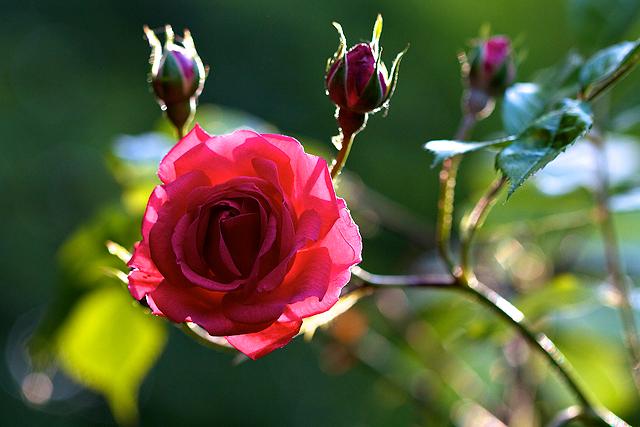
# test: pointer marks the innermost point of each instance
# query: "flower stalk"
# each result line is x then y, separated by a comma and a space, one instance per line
447, 177
508, 313
474, 220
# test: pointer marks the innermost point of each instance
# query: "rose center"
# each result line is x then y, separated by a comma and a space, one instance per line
232, 241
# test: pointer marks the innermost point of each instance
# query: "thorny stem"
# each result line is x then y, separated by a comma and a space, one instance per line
612, 255
447, 179
509, 313
475, 219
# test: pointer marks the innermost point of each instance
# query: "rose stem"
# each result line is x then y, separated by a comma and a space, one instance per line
447, 178
503, 309
612, 254
474, 220
343, 154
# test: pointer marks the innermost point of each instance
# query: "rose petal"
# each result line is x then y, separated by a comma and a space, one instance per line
145, 276
160, 236
196, 136
360, 67
261, 343
314, 188
345, 248
307, 277
241, 235
199, 306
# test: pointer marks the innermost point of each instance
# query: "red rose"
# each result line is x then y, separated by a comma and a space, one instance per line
245, 237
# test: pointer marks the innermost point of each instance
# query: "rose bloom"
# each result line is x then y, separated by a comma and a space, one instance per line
245, 238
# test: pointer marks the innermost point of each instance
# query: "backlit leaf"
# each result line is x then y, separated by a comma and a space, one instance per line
443, 149
523, 103
539, 144
108, 344
608, 65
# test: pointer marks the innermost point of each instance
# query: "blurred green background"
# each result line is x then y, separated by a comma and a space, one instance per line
73, 79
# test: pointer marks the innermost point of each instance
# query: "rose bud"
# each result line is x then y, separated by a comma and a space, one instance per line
358, 81
177, 76
489, 68
245, 237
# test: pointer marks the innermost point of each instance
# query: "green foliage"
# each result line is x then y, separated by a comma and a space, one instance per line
83, 262
530, 150
94, 329
443, 149
541, 142
523, 103
109, 344
607, 66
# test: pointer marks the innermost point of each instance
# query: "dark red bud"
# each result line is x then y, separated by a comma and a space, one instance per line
358, 80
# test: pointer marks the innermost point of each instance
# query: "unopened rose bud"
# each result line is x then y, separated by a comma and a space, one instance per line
491, 68
357, 80
177, 75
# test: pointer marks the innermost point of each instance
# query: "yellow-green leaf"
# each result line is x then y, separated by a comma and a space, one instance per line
108, 344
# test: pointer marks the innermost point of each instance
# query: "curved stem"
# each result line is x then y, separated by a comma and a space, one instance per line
447, 178
409, 280
613, 258
539, 341
343, 154
510, 314
474, 220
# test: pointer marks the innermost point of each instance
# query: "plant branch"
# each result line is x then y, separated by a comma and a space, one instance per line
447, 177
343, 154
613, 259
619, 75
474, 220
402, 281
539, 341
506, 311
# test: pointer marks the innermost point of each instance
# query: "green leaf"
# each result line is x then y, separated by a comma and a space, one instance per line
607, 66
109, 344
543, 141
523, 103
444, 148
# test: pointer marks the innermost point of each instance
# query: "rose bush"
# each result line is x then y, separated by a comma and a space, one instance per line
245, 238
